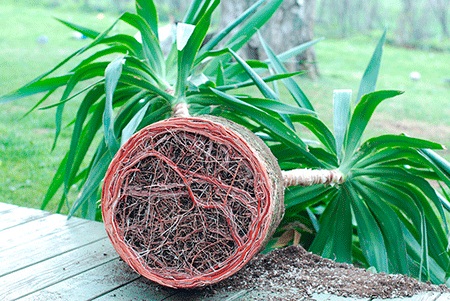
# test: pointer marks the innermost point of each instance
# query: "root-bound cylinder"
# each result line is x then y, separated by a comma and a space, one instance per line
188, 202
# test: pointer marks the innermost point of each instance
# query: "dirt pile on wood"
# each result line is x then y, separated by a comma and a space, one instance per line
292, 273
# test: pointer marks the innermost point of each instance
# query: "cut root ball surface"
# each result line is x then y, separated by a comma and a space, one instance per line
189, 201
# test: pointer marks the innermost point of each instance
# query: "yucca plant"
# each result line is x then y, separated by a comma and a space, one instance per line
385, 215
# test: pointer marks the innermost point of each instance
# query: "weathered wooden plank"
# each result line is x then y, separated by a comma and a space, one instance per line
19, 215
140, 289
143, 289
6, 207
428, 296
36, 229
87, 285
56, 269
199, 295
330, 297
443, 297
67, 239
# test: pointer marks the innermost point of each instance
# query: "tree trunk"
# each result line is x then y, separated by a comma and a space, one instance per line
373, 16
232, 9
414, 23
291, 25
309, 61
322, 11
177, 9
405, 22
441, 9
118, 5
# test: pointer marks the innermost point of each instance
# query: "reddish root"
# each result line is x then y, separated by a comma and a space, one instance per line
188, 202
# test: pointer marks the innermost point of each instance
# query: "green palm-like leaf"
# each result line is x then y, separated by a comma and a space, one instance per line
131, 127
424, 196
369, 233
262, 86
227, 30
369, 79
319, 129
97, 171
147, 10
438, 164
248, 83
303, 197
334, 239
360, 118
45, 85
398, 141
150, 44
258, 16
341, 118
82, 137
290, 84
386, 228
56, 183
86, 72
290, 53
276, 126
87, 32
278, 107
253, 24
397, 174
112, 76
186, 56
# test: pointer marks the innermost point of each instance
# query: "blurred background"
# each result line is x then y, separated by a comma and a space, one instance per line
416, 60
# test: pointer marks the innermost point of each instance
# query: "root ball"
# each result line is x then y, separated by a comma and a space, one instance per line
188, 202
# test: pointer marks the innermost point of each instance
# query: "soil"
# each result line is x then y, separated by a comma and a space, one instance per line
293, 273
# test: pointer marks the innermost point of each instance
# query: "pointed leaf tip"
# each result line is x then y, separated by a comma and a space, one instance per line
370, 77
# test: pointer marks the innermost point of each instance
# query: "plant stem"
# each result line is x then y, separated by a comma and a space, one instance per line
309, 177
180, 110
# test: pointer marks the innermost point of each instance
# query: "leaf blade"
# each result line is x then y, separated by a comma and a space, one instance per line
334, 239
229, 28
293, 88
361, 116
131, 127
113, 73
369, 233
341, 118
369, 79
147, 10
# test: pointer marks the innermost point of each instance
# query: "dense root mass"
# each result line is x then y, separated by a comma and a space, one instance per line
188, 202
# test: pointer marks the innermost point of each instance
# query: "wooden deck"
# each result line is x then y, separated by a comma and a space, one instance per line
45, 256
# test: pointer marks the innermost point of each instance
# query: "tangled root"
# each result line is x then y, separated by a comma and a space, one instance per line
188, 201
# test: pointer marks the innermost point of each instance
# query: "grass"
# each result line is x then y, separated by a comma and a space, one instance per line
27, 163
423, 109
